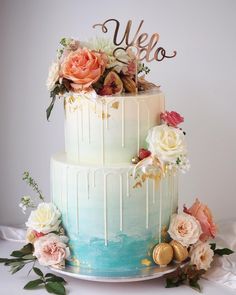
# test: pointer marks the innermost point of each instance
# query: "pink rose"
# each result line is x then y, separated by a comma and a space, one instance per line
172, 118
51, 249
83, 67
203, 214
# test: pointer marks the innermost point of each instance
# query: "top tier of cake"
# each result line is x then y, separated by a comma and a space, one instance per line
110, 129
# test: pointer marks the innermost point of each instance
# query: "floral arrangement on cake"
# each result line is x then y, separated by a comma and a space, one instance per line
189, 234
166, 151
84, 67
46, 243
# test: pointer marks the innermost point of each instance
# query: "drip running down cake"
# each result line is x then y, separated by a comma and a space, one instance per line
116, 184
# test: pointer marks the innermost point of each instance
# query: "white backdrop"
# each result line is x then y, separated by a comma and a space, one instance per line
199, 83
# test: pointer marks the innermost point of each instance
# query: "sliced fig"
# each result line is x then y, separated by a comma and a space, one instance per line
112, 84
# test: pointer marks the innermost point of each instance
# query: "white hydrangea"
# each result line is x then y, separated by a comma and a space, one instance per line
181, 164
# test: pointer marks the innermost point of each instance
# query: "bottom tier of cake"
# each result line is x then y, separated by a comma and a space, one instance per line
111, 224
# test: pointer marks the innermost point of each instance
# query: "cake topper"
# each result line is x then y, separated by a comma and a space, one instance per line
146, 48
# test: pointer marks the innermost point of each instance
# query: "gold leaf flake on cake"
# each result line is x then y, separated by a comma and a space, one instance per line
138, 184
115, 105
146, 262
75, 261
71, 99
105, 115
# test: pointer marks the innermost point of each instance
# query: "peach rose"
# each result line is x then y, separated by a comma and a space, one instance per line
203, 214
83, 67
51, 249
201, 255
184, 228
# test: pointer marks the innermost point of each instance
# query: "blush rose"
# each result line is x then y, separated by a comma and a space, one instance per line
51, 250
184, 228
203, 214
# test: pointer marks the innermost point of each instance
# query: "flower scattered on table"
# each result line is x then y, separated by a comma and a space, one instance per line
46, 242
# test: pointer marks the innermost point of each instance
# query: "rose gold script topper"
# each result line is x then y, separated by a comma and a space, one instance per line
144, 47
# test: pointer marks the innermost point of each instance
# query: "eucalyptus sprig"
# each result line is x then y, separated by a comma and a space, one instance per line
33, 184
52, 283
21, 258
59, 89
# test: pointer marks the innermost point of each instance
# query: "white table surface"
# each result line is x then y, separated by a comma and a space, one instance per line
13, 284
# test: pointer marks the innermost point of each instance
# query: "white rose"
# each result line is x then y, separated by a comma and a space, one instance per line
184, 228
53, 75
201, 255
45, 219
166, 143
51, 249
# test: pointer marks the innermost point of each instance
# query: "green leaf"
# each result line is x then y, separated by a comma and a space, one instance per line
49, 109
173, 282
213, 246
27, 249
224, 251
38, 271
17, 254
56, 279
16, 268
8, 261
55, 288
29, 257
33, 284
4, 260
194, 284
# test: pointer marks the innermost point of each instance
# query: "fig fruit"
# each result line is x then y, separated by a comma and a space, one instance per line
112, 84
